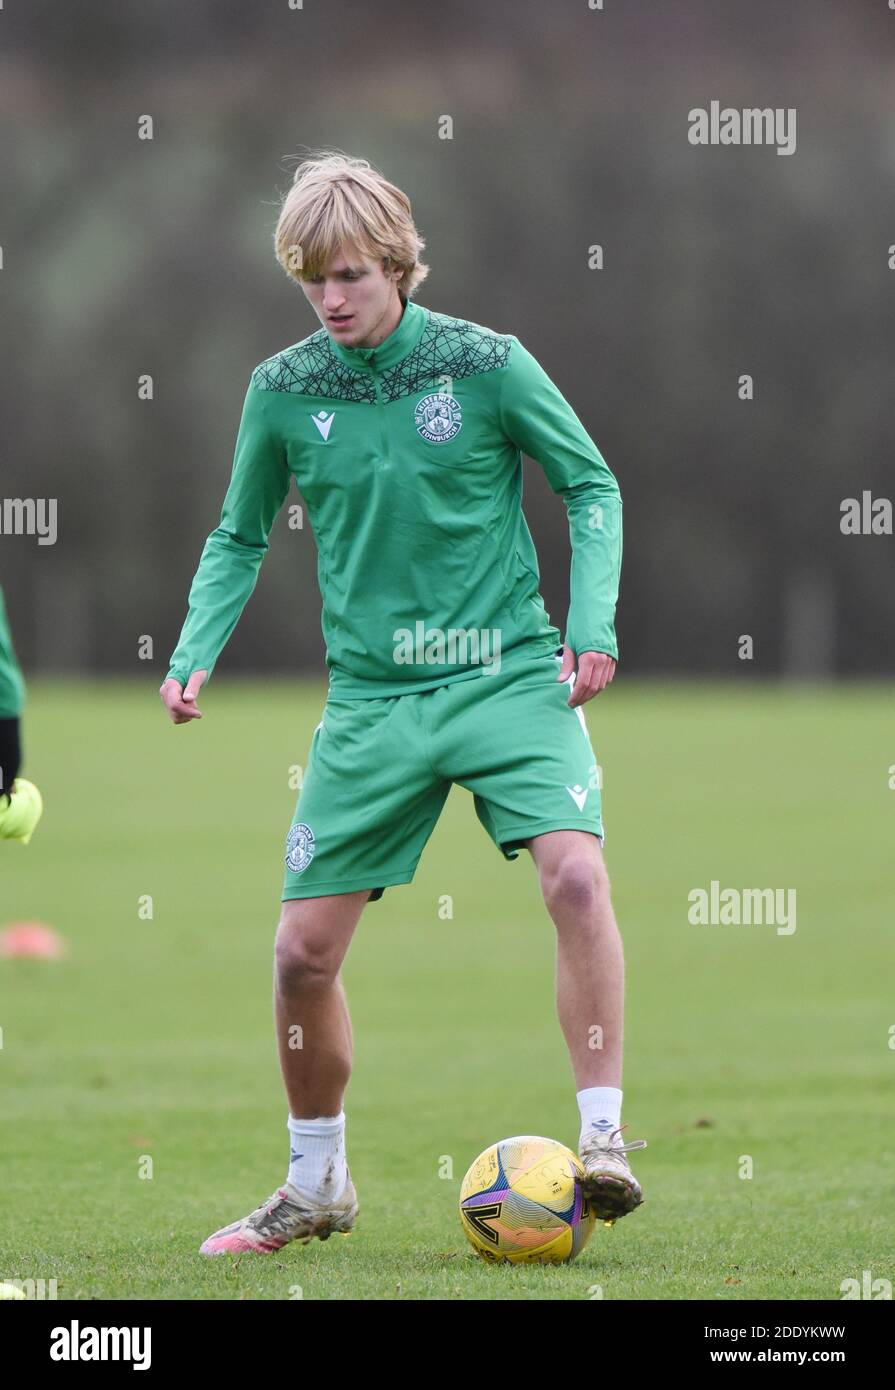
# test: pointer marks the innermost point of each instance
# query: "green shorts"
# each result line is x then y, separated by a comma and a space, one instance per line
379, 772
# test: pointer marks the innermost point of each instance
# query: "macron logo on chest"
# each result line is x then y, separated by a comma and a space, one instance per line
324, 422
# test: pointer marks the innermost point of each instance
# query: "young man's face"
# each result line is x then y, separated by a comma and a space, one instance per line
354, 299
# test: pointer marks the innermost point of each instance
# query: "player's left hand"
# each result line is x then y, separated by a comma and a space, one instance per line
594, 672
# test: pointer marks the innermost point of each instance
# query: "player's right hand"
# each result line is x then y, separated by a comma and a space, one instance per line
180, 700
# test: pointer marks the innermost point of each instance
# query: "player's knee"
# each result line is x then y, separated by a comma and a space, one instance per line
301, 960
575, 883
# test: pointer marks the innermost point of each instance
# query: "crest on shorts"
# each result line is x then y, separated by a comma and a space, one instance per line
299, 848
438, 417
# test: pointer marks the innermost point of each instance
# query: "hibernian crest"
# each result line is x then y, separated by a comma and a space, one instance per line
438, 417
299, 848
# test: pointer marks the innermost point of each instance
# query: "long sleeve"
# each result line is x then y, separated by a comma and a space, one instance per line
231, 558
12, 686
537, 418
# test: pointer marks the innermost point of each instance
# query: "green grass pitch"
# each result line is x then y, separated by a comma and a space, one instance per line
154, 1037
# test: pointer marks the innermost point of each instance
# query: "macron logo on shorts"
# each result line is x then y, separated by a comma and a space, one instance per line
578, 795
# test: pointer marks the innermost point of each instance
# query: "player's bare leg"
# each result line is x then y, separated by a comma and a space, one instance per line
315, 1046
590, 972
590, 980
311, 1012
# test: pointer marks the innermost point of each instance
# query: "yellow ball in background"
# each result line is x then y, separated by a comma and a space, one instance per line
19, 817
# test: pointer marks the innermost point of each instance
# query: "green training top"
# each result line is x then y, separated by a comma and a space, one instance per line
408, 456
12, 686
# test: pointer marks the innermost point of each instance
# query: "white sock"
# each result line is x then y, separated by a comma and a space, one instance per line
317, 1164
601, 1109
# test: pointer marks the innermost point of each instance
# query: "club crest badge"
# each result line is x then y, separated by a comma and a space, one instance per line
299, 848
438, 417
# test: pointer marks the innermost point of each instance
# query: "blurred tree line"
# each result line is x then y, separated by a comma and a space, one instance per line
123, 257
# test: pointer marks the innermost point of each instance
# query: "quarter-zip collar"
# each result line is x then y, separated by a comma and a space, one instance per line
402, 340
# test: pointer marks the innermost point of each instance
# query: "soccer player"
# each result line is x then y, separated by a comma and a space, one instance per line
12, 695
404, 430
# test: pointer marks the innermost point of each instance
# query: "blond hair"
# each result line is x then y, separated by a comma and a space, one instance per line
338, 202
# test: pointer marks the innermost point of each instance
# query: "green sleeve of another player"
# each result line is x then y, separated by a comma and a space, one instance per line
228, 567
12, 686
539, 420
